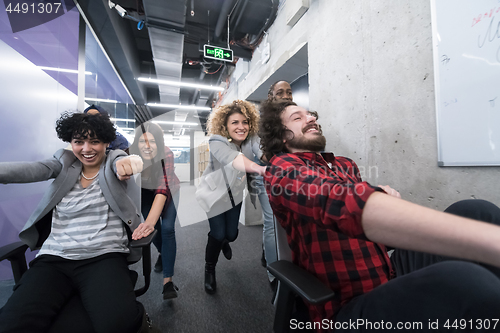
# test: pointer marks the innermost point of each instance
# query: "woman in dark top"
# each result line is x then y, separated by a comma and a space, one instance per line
159, 198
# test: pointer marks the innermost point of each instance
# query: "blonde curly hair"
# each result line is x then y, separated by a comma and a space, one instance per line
216, 123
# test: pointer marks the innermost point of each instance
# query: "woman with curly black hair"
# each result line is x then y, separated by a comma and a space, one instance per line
81, 228
233, 146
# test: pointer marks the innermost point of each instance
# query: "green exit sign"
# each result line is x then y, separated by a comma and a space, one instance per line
218, 53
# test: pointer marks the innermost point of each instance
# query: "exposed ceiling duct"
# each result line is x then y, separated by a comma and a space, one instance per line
166, 33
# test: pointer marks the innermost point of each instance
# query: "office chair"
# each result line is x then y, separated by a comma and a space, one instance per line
294, 282
73, 317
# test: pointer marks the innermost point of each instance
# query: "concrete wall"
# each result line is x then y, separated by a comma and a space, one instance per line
285, 41
371, 79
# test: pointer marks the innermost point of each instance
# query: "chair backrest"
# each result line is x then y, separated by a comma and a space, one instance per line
284, 251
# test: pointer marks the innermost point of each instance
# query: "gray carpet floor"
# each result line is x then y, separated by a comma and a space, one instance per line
243, 299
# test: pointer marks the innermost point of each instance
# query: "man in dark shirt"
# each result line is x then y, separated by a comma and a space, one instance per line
280, 90
336, 225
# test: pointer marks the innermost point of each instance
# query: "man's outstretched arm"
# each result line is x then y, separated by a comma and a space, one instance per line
399, 223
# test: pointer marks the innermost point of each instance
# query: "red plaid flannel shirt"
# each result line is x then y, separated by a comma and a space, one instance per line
168, 183
319, 200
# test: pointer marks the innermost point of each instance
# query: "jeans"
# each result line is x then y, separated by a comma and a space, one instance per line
268, 237
225, 225
164, 240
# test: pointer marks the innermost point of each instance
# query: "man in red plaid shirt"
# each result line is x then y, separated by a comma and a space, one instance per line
337, 224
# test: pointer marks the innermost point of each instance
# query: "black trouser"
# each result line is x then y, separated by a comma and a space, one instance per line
103, 283
431, 293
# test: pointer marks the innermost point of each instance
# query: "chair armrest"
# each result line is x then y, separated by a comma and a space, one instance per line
145, 243
14, 252
301, 282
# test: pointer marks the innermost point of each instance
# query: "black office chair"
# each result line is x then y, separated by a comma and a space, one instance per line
294, 283
73, 317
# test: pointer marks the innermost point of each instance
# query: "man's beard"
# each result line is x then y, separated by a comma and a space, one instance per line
315, 144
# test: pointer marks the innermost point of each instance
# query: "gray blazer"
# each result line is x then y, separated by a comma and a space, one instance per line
213, 197
65, 168
225, 152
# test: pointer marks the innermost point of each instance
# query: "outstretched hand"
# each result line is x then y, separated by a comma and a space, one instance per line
128, 166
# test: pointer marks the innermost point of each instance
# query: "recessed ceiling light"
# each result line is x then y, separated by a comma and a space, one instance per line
180, 84
73, 71
178, 106
121, 119
173, 122
101, 100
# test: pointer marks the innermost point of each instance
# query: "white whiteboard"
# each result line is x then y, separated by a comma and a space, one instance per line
466, 39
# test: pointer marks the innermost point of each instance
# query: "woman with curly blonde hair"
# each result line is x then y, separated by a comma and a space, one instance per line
233, 146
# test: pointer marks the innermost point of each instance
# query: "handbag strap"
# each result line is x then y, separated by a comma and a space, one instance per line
225, 180
164, 171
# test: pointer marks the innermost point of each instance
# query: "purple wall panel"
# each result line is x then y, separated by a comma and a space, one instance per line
32, 99
53, 44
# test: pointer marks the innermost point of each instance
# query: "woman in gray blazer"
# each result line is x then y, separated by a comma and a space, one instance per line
82, 227
233, 146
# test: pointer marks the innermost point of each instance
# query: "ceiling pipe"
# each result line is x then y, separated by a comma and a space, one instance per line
221, 20
269, 22
240, 15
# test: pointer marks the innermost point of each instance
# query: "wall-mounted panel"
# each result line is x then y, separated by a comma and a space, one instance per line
467, 78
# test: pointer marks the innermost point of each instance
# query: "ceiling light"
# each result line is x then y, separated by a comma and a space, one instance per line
179, 106
180, 84
173, 122
101, 100
121, 119
73, 71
